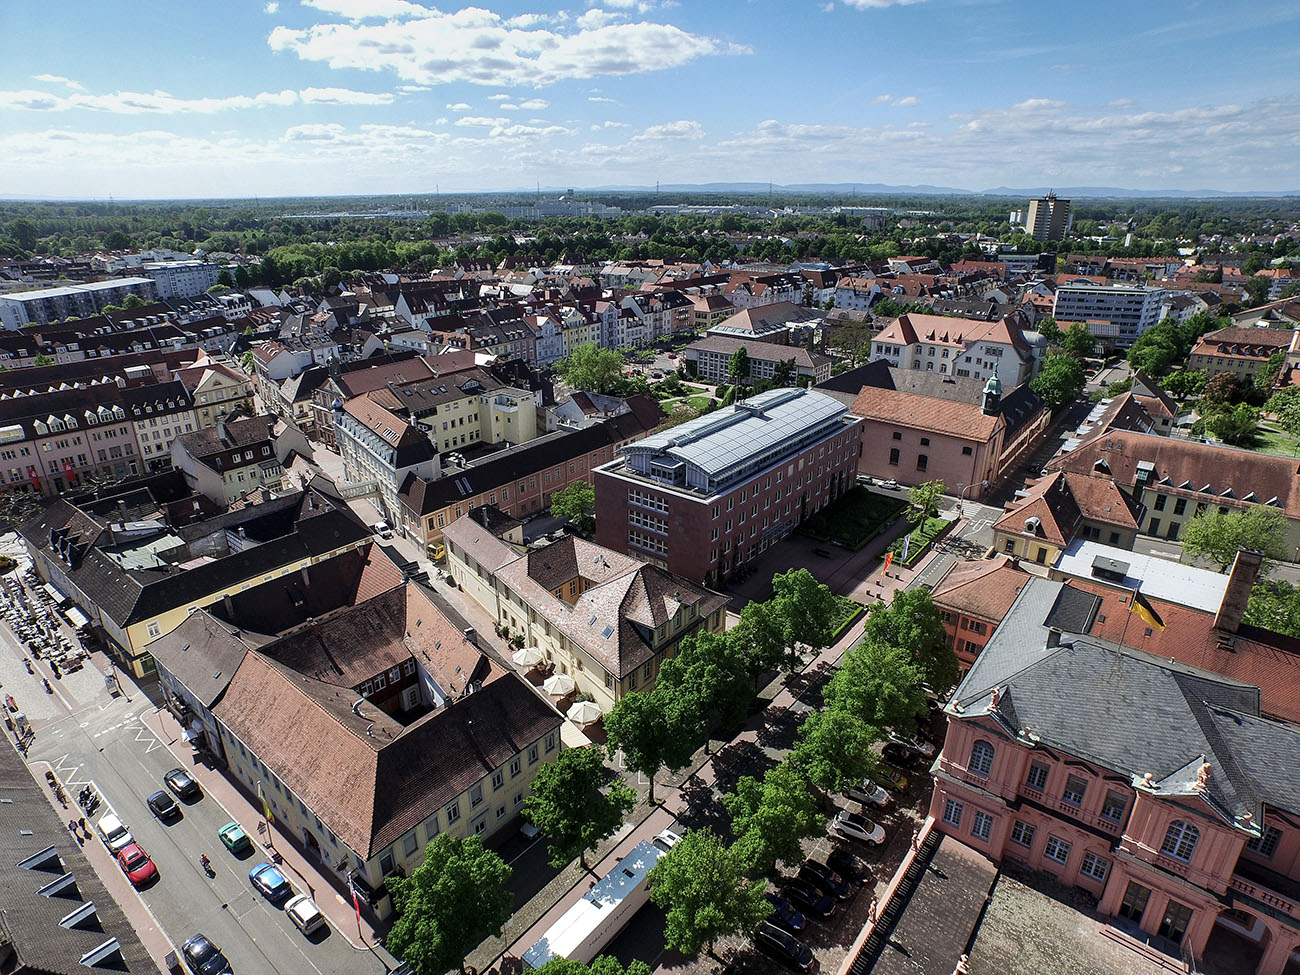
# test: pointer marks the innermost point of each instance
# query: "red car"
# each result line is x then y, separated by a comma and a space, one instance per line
137, 866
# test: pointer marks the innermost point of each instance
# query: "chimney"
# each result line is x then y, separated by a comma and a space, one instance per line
1245, 570
222, 435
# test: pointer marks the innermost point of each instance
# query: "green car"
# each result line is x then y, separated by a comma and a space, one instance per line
234, 838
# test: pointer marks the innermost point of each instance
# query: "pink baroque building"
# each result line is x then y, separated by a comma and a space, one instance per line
1155, 787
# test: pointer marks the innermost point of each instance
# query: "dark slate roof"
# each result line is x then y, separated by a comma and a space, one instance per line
874, 373
1073, 611
28, 828
1130, 712
505, 467
1018, 407
202, 653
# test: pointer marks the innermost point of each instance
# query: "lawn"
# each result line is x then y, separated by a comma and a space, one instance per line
921, 536
1270, 441
846, 615
854, 519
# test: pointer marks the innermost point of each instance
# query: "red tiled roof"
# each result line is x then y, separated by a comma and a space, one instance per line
954, 419
983, 588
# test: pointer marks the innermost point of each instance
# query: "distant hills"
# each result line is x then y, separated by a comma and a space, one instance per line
927, 189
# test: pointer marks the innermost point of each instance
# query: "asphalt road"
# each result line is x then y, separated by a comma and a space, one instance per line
106, 744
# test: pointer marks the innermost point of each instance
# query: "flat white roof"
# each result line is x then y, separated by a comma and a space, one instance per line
77, 289
1159, 578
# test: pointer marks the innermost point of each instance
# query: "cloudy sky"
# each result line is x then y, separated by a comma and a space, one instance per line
159, 98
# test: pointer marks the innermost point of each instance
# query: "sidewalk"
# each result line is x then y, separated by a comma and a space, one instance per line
326, 887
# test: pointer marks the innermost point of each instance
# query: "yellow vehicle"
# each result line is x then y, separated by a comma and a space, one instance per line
437, 551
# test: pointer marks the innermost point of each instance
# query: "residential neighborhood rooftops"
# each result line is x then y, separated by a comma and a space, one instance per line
1158, 578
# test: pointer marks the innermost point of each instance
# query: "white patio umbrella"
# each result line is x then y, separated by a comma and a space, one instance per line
559, 685
527, 657
585, 712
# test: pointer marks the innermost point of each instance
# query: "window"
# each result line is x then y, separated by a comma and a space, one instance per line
1114, 806
982, 825
550, 742
514, 766
1075, 789
1180, 840
532, 755
1266, 843
387, 864
476, 796
498, 778
154, 630
1160, 501
409, 843
1180, 506
1037, 777
1010, 546
952, 810
922, 462
1022, 833
1134, 904
1174, 925
893, 457
453, 812
925, 441
1057, 849
1154, 527
632, 681
967, 451
1094, 866
898, 435
981, 758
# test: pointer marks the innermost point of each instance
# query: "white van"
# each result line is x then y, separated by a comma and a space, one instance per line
113, 832
381, 529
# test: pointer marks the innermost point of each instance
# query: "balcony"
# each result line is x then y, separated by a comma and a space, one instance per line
1266, 887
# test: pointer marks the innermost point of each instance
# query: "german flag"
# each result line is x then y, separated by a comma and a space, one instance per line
1146, 610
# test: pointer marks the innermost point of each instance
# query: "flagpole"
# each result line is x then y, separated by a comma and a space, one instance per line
1132, 602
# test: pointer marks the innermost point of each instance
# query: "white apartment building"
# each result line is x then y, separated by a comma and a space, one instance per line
71, 301
1115, 315
181, 279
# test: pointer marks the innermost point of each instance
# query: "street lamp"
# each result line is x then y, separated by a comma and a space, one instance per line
961, 492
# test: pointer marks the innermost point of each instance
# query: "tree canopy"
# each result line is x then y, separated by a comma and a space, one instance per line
570, 809
1060, 380
880, 683
452, 901
701, 885
577, 505
912, 623
592, 369
925, 500
1274, 605
1218, 537
770, 817
1078, 341
655, 730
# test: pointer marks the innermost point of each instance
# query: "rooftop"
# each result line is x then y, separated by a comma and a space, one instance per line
1158, 578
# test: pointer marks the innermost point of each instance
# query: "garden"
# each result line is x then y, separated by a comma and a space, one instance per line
922, 537
854, 519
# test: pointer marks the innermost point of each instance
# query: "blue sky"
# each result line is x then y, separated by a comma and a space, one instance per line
165, 99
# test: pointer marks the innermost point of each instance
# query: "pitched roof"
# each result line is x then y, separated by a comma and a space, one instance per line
203, 654
760, 350
984, 588
905, 409
1049, 512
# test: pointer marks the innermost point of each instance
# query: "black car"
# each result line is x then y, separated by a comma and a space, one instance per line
825, 879
896, 754
810, 898
785, 948
163, 806
182, 783
204, 958
844, 863
786, 914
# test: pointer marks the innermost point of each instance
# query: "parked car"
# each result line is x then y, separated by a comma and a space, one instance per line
304, 913
890, 777
786, 914
114, 833
844, 863
163, 806
656, 375
666, 840
183, 784
268, 878
137, 866
855, 827
869, 794
825, 879
902, 757
672, 355
822, 553
382, 529
811, 899
918, 745
234, 838
782, 946
202, 957
891, 484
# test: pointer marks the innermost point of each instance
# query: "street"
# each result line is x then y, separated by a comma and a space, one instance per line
103, 741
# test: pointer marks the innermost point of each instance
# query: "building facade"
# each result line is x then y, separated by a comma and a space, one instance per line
1115, 315
1048, 218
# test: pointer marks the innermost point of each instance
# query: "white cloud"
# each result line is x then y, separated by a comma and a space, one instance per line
595, 18
879, 4
883, 98
426, 46
458, 106
679, 131
499, 97
482, 120
344, 96
58, 79
601, 99
164, 103
272, 8
534, 104
907, 101
314, 132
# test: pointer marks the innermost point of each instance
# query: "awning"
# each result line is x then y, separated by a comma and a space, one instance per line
189, 734
76, 617
54, 593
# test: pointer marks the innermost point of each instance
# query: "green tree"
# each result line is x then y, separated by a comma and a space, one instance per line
738, 367
576, 504
593, 369
1050, 330
702, 887
601, 965
568, 807
710, 672
1223, 388
1078, 341
1186, 382
23, 231
655, 730
759, 638
1274, 605
223, 277
1060, 381
783, 373
834, 749
925, 500
1236, 425
912, 622
879, 683
116, 240
42, 360
1218, 537
452, 901
1266, 378
769, 818
805, 610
